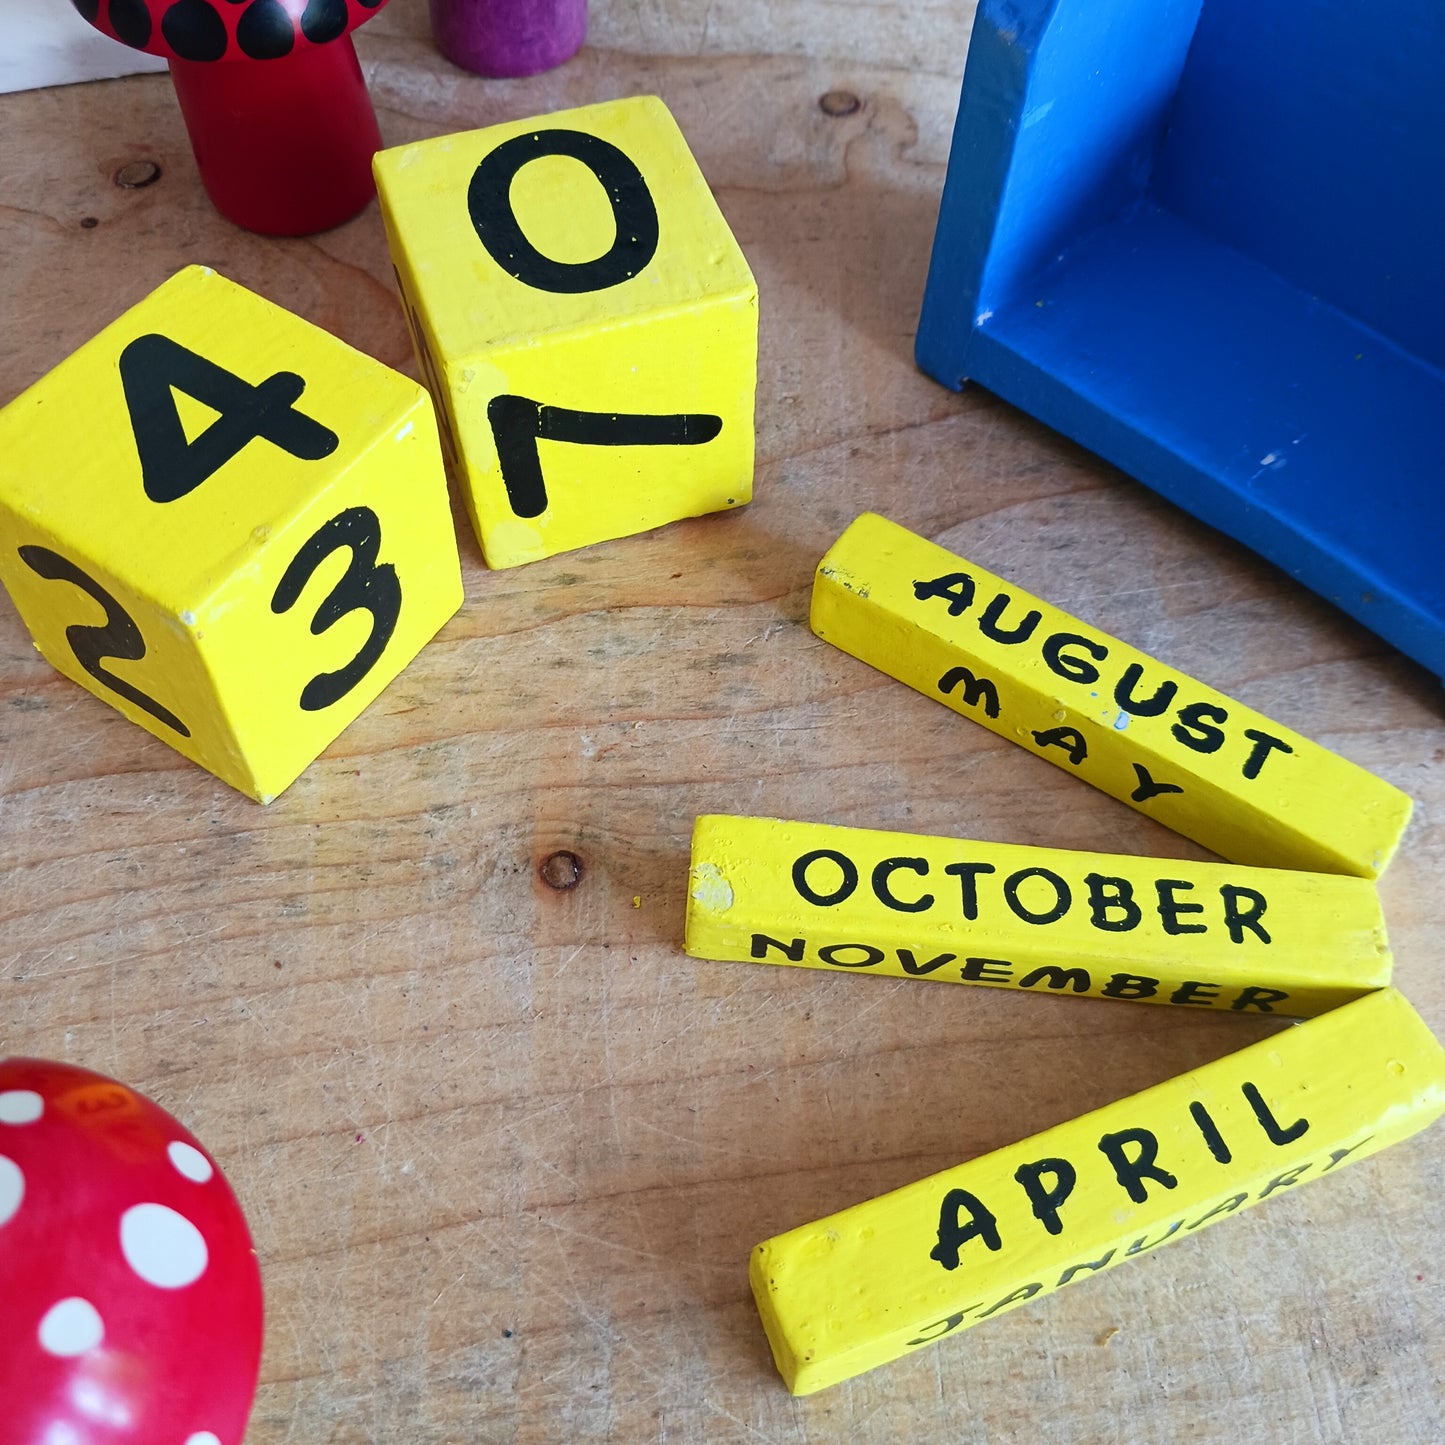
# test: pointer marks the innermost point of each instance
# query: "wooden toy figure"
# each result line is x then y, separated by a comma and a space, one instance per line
509, 37
273, 98
132, 1300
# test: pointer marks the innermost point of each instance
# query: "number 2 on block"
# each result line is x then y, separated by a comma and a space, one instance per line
153, 368
119, 637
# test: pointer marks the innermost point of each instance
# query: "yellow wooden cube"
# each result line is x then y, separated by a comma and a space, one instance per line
227, 524
1152, 930
1168, 745
586, 322
884, 1278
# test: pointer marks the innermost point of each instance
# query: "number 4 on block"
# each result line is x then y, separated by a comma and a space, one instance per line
227, 524
585, 320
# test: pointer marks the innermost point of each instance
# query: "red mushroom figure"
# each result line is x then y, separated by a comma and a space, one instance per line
129, 1290
273, 98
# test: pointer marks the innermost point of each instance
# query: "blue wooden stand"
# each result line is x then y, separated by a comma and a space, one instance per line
1207, 240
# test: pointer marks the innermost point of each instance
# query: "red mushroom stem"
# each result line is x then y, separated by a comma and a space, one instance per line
283, 146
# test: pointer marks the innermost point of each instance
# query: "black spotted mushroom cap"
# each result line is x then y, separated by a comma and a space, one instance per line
225, 29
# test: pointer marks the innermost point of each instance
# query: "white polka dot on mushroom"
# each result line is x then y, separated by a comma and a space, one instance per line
164, 1248
71, 1327
203, 1437
20, 1106
190, 1162
12, 1189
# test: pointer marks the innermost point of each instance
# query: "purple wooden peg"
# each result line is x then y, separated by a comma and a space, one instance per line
508, 37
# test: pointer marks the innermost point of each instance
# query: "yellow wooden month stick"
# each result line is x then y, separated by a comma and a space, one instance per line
902, 1271
1171, 747
1211, 935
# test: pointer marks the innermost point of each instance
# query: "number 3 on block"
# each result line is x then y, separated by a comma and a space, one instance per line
252, 522
570, 280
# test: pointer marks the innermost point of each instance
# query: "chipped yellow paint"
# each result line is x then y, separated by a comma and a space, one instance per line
194, 645
874, 1282
1211, 935
599, 285
1171, 747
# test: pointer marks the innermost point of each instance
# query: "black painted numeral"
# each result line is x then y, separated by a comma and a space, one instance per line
519, 423
120, 637
172, 467
489, 202
364, 587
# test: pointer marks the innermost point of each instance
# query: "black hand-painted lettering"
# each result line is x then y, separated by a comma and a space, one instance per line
870, 955
519, 423
953, 1233
956, 589
1144, 1242
1046, 1202
1170, 907
1124, 693
939, 1328
1243, 908
1070, 739
1100, 1263
1274, 1131
1073, 668
911, 966
1209, 1131
119, 637
1196, 991
885, 870
986, 970
1148, 788
1285, 1180
364, 587
1130, 985
848, 881
1054, 911
1337, 1156
1263, 999
1054, 977
153, 367
975, 689
489, 203
1264, 745
1131, 1173
991, 623
792, 950
1108, 894
1023, 1292
967, 875
1194, 731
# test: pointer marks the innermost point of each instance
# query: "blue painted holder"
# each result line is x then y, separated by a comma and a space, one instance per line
1207, 240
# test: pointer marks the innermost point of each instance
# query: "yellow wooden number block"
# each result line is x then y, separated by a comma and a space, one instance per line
1247, 940
1167, 745
228, 525
881, 1279
586, 321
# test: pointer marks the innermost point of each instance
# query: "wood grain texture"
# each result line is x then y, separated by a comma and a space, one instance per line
505, 1149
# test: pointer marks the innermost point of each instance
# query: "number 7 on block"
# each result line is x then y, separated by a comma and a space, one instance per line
586, 319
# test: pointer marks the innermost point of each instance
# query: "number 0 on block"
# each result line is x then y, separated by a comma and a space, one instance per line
227, 524
585, 320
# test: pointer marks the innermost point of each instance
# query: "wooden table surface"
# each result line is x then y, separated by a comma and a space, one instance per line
505, 1149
